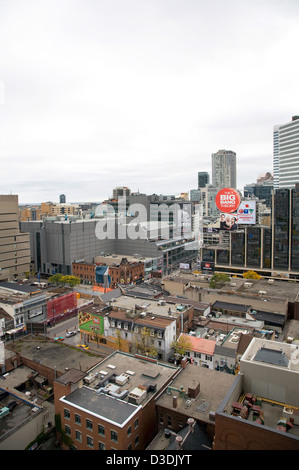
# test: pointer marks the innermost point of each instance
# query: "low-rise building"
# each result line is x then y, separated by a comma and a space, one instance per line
128, 322
199, 351
113, 406
261, 409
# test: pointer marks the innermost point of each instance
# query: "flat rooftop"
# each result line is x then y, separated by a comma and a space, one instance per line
117, 386
213, 385
138, 370
56, 355
22, 412
275, 354
151, 307
102, 405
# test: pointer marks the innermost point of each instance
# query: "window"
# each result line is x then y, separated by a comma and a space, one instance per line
67, 430
89, 441
136, 441
78, 436
102, 446
113, 323
114, 437
129, 432
67, 413
136, 423
77, 419
88, 424
101, 430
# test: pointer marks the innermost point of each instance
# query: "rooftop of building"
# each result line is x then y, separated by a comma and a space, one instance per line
273, 354
211, 386
55, 355
119, 384
14, 411
149, 307
201, 345
274, 288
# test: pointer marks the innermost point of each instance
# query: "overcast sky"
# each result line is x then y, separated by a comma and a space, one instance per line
96, 94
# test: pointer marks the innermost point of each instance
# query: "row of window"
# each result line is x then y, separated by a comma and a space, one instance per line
125, 326
100, 429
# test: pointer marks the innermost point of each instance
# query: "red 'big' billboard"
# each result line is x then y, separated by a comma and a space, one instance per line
227, 200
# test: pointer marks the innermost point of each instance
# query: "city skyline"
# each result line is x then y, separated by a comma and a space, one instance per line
140, 93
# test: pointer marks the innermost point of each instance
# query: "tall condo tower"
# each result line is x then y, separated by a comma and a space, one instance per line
286, 154
203, 179
224, 169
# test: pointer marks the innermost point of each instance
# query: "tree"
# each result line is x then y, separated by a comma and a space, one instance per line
62, 280
218, 280
181, 345
143, 343
251, 275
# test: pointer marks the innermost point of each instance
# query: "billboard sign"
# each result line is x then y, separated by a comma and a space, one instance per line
228, 200
228, 222
246, 212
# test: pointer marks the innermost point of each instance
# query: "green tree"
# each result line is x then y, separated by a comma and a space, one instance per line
218, 280
62, 280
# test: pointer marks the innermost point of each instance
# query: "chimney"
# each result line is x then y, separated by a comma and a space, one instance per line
179, 442
175, 401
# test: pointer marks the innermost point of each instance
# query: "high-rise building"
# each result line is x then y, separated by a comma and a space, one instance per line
14, 246
224, 174
62, 199
286, 154
203, 179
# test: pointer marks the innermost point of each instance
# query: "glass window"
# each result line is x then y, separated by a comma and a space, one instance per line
101, 430
78, 436
89, 441
67, 414
114, 437
67, 430
88, 424
77, 419
102, 446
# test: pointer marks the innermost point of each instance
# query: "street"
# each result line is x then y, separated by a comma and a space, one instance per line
61, 328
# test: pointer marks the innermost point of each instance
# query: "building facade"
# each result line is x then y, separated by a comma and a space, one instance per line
113, 406
14, 246
203, 178
286, 154
224, 174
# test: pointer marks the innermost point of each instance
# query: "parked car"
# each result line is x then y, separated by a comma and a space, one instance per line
70, 333
58, 338
83, 346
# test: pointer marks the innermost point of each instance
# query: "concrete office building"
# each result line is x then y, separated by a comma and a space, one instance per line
224, 173
286, 154
56, 244
14, 246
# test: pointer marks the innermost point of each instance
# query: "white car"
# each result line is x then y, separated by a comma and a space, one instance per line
70, 333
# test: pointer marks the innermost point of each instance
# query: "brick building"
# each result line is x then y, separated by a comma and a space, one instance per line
113, 406
86, 272
120, 271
